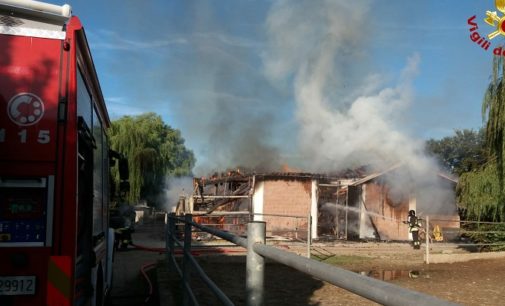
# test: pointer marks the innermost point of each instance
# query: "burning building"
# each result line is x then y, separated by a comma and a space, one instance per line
348, 205
378, 204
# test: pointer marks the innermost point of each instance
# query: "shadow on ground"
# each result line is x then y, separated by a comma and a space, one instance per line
283, 285
130, 287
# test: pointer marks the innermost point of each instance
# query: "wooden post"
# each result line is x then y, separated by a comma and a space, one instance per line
427, 234
170, 241
309, 235
186, 265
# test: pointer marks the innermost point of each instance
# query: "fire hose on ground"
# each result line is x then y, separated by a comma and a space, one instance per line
194, 252
144, 270
148, 266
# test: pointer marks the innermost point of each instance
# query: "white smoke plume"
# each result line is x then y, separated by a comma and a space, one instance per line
175, 187
318, 104
344, 120
347, 116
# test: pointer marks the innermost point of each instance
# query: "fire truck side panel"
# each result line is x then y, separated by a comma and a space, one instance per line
53, 170
29, 95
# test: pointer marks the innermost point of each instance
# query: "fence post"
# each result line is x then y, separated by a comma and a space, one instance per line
167, 234
186, 265
309, 233
296, 228
255, 265
170, 239
427, 234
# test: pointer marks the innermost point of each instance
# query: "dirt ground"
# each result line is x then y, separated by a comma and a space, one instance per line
477, 282
470, 283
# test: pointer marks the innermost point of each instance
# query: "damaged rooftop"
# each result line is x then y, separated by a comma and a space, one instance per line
239, 175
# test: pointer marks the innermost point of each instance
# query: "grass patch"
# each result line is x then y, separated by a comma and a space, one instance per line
342, 260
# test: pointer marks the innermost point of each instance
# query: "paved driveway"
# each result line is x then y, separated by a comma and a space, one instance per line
129, 285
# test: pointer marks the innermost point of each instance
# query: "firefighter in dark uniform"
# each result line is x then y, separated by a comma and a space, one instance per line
413, 223
123, 220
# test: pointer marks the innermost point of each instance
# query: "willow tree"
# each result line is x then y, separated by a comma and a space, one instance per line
493, 114
154, 151
482, 191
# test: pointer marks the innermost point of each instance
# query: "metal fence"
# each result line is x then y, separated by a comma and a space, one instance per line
289, 227
292, 226
469, 230
372, 289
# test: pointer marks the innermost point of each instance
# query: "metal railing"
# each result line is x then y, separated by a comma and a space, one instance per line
298, 224
372, 289
299, 228
428, 228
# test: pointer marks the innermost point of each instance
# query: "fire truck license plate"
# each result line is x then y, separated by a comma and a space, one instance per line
17, 285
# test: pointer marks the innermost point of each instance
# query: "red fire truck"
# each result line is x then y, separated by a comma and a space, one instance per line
56, 246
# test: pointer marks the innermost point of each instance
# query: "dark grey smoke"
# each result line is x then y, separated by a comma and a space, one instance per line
270, 83
207, 63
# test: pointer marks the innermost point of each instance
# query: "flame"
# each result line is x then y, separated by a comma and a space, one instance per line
286, 168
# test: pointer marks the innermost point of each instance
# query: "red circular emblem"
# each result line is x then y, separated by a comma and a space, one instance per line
25, 109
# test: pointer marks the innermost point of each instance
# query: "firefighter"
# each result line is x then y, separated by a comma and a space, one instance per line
123, 220
413, 223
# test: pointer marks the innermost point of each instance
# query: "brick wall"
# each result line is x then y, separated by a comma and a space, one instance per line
287, 197
377, 202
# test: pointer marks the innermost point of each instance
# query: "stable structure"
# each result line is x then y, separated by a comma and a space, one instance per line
379, 203
287, 201
348, 205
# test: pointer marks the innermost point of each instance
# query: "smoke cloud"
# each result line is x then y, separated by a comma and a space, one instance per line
175, 187
344, 118
346, 115
229, 111
315, 105
293, 82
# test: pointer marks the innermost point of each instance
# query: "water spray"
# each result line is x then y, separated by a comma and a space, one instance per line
359, 211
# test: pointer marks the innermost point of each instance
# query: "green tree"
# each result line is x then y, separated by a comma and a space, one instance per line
493, 114
462, 152
154, 151
481, 191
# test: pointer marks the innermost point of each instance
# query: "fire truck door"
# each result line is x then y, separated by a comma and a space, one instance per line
85, 260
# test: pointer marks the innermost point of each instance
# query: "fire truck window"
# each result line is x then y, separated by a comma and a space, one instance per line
83, 99
97, 176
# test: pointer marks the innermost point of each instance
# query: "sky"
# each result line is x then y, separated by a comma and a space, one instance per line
312, 84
